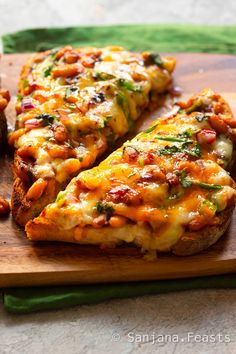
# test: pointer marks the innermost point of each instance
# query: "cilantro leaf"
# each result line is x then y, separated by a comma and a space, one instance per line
129, 85
208, 185
104, 208
103, 76
48, 119
201, 117
154, 58
173, 138
47, 71
184, 180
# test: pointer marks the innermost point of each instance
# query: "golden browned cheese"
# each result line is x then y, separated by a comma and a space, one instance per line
168, 181
72, 104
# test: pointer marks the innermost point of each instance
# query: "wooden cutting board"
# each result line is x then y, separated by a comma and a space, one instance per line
23, 263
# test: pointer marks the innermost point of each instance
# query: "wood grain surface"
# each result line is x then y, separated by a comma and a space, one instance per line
23, 263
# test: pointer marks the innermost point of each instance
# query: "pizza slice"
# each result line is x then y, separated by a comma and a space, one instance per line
72, 104
165, 190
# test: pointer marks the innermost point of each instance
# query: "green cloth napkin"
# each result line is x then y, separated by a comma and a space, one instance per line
23, 300
165, 38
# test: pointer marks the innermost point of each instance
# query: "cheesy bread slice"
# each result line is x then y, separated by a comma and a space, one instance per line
72, 104
165, 190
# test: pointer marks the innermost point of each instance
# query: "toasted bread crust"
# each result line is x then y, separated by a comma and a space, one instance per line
190, 243
194, 242
23, 209
45, 227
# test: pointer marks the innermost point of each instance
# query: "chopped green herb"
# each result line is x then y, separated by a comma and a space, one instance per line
195, 151
150, 129
208, 185
71, 91
171, 150
60, 196
129, 85
168, 150
19, 97
173, 138
195, 107
104, 208
81, 158
120, 97
24, 83
154, 58
48, 119
141, 162
201, 117
210, 205
188, 133
124, 104
99, 75
103, 122
47, 71
184, 180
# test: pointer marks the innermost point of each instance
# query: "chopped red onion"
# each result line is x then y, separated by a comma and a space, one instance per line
33, 123
26, 104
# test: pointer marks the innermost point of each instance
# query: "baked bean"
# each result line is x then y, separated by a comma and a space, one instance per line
62, 51
16, 135
3, 103
230, 121
99, 221
60, 133
37, 189
71, 57
62, 152
27, 151
72, 166
67, 70
23, 171
117, 221
4, 207
5, 94
218, 124
88, 62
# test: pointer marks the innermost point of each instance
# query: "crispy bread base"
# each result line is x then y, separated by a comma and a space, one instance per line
40, 229
24, 210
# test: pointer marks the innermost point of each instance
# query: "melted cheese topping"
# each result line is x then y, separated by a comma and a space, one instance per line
166, 180
75, 102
